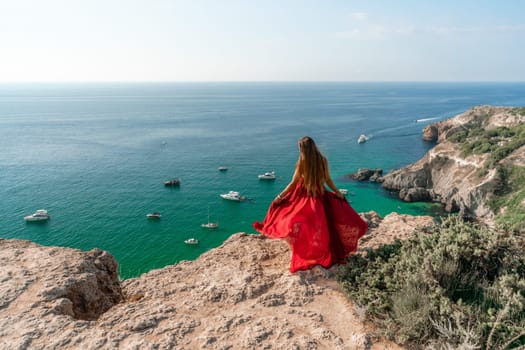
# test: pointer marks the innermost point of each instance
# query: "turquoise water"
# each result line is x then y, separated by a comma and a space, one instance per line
96, 155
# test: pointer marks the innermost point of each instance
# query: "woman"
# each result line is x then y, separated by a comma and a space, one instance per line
320, 226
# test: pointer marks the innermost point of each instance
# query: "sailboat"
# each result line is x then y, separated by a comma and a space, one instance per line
210, 224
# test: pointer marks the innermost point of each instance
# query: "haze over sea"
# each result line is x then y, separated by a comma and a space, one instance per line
96, 155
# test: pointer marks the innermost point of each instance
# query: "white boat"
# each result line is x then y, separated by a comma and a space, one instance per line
223, 168
233, 196
39, 215
191, 241
155, 215
210, 224
269, 175
344, 191
362, 138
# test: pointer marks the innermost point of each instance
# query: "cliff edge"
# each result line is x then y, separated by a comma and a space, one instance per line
240, 295
463, 171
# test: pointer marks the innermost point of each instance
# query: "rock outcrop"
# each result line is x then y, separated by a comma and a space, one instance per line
431, 133
240, 295
49, 295
365, 174
445, 174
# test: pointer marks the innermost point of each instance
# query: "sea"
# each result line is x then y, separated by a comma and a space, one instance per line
95, 155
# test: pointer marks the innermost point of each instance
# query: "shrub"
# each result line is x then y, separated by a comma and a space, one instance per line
500, 131
500, 142
511, 200
459, 136
463, 285
520, 110
501, 181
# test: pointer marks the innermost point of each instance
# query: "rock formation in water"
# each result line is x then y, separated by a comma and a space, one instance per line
240, 295
366, 174
461, 170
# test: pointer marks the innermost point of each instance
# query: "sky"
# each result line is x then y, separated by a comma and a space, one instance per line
264, 40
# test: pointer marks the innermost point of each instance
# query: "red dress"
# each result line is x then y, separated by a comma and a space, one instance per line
321, 230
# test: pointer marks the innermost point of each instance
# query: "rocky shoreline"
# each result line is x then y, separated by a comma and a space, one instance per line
463, 183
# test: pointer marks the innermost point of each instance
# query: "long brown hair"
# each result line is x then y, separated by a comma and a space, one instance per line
311, 165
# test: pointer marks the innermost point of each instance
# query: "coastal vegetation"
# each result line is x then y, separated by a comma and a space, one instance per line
519, 110
462, 286
498, 143
509, 199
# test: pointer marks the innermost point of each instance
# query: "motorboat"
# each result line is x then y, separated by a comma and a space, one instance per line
344, 191
233, 196
172, 182
362, 138
210, 224
269, 175
39, 215
191, 241
154, 215
223, 168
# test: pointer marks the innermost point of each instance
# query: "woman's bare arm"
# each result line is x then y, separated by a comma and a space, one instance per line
330, 182
289, 187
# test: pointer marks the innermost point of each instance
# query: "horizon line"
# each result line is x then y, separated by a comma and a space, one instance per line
257, 81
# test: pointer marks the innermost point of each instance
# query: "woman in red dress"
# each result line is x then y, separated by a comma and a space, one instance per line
320, 226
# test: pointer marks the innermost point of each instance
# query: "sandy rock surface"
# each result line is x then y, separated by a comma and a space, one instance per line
240, 295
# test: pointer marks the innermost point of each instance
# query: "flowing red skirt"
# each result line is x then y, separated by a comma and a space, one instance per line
321, 230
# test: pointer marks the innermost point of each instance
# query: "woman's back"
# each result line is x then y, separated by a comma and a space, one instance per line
320, 225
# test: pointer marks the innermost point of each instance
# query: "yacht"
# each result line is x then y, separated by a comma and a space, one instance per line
210, 224
223, 168
39, 215
154, 215
269, 175
191, 241
233, 196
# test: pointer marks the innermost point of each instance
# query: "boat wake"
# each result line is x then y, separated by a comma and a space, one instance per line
386, 131
406, 129
422, 120
401, 135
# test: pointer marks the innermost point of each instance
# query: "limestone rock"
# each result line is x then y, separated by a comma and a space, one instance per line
365, 174
52, 293
461, 183
372, 219
415, 194
430, 133
393, 227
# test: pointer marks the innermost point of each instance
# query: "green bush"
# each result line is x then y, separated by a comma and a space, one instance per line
520, 110
463, 285
501, 131
499, 142
459, 136
511, 200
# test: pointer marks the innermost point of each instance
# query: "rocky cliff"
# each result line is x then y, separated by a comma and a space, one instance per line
461, 171
237, 296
